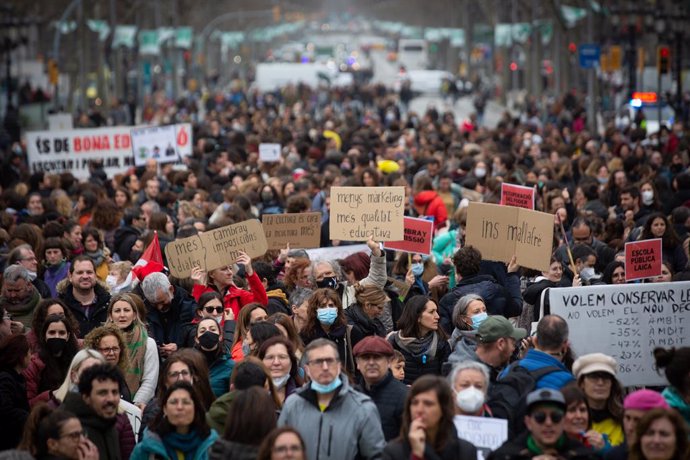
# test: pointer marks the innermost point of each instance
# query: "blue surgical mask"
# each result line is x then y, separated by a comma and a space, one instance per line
477, 320
327, 315
323, 389
417, 269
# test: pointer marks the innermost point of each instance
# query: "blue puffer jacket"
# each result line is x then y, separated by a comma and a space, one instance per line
535, 359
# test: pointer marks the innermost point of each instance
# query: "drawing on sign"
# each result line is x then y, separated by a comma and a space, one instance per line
360, 213
626, 321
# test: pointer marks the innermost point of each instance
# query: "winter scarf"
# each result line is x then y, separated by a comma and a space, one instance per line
135, 337
187, 444
24, 310
97, 256
418, 346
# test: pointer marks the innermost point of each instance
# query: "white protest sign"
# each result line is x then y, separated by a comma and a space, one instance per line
485, 433
626, 321
336, 252
269, 153
60, 122
165, 144
72, 150
133, 415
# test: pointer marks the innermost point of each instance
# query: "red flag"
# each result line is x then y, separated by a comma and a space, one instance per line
151, 260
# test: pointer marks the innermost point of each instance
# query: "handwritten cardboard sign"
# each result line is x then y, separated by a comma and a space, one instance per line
485, 433
643, 259
517, 195
216, 248
418, 236
269, 153
358, 213
299, 230
499, 232
626, 321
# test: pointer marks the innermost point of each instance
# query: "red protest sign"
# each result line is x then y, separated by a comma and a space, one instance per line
517, 195
643, 259
418, 234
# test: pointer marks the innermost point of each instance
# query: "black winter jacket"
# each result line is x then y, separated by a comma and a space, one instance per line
14, 407
98, 312
125, 237
503, 300
418, 364
172, 326
389, 396
516, 449
455, 449
362, 325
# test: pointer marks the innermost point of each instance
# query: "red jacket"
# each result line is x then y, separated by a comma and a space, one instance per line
428, 203
236, 298
32, 374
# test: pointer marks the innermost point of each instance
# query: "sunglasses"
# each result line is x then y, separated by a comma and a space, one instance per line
213, 309
540, 417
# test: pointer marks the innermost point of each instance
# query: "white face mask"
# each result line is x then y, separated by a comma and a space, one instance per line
469, 400
32, 276
480, 172
280, 382
648, 197
111, 281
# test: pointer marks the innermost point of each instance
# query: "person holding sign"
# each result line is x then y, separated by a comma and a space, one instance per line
427, 430
220, 280
658, 226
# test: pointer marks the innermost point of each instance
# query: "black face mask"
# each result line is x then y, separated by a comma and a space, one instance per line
55, 345
328, 282
208, 340
134, 256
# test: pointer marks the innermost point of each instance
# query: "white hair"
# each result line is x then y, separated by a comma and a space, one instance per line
152, 283
474, 365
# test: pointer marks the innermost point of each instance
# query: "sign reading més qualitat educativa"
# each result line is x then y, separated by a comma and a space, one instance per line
499, 232
643, 259
418, 236
626, 321
299, 230
360, 213
517, 195
215, 248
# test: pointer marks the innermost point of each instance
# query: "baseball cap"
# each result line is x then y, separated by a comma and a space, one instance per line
496, 327
546, 396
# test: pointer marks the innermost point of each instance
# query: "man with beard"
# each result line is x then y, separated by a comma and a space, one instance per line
96, 407
19, 298
87, 299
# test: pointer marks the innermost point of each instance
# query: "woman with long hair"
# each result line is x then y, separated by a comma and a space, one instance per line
287, 327
326, 319
278, 355
578, 420
250, 314
210, 305
420, 339
45, 308
596, 376
427, 429
658, 226
661, 434
209, 341
364, 315
179, 430
128, 313
250, 419
57, 345
14, 405
284, 443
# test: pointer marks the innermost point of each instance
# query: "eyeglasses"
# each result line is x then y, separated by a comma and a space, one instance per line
271, 358
74, 436
293, 448
178, 374
321, 361
110, 350
540, 417
213, 309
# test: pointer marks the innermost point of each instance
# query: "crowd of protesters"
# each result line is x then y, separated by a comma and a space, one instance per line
370, 355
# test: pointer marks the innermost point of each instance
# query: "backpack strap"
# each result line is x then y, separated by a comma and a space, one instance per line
544, 371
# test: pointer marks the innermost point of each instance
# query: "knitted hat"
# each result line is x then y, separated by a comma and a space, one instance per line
644, 400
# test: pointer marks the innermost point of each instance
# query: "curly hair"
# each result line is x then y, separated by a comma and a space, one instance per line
293, 273
319, 297
106, 215
467, 261
93, 340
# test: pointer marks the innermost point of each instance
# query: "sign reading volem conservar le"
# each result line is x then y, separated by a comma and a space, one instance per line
499, 232
215, 248
360, 213
626, 321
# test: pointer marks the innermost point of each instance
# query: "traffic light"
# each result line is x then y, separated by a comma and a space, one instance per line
663, 60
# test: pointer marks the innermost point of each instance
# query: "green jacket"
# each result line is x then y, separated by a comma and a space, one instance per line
218, 412
676, 401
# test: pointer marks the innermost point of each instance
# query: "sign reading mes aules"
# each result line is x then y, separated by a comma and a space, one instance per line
499, 232
626, 321
360, 213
